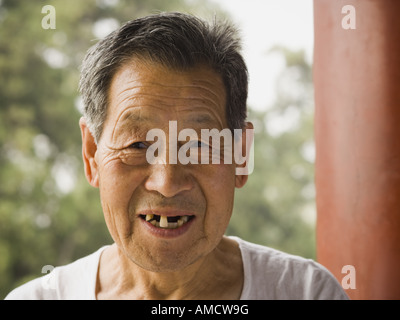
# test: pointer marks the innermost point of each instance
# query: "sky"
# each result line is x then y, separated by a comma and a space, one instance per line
263, 24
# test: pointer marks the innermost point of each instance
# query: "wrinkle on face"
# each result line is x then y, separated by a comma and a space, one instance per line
141, 99
133, 93
165, 96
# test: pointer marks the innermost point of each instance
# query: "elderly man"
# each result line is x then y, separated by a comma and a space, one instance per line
167, 211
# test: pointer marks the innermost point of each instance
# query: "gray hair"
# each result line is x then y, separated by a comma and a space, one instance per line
176, 40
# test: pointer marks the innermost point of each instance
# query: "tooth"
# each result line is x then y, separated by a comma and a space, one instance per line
149, 217
153, 222
185, 219
180, 222
172, 225
163, 222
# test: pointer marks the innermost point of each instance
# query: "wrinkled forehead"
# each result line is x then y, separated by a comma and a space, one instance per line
145, 91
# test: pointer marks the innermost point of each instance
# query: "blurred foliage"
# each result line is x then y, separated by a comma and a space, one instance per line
49, 215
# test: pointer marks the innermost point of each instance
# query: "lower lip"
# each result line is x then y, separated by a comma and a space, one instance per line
167, 233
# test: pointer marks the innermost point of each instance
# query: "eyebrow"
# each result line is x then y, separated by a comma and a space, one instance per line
131, 120
130, 116
201, 119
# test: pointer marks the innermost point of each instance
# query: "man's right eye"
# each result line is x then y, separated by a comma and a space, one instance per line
138, 145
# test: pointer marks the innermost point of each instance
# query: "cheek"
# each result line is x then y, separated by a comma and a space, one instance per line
117, 183
219, 191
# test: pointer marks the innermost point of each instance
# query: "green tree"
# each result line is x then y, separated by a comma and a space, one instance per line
49, 215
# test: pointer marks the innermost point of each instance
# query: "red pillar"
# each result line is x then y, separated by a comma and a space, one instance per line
357, 132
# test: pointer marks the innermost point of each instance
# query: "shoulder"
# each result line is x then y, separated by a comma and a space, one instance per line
76, 280
273, 274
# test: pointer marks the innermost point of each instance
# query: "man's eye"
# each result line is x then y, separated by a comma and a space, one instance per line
198, 144
202, 144
138, 145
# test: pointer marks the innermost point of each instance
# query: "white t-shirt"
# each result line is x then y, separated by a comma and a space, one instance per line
268, 274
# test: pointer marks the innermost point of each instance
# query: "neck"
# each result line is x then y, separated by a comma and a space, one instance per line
207, 278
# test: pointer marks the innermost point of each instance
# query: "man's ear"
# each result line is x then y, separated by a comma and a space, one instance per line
244, 164
89, 148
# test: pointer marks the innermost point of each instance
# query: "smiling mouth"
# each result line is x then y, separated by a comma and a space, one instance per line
165, 222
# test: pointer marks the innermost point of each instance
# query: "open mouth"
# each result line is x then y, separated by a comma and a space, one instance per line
166, 222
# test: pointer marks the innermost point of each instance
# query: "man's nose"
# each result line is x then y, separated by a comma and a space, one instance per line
168, 179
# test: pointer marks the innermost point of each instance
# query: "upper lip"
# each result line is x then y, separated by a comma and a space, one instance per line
167, 212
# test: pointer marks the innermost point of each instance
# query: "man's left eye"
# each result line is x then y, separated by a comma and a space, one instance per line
138, 145
199, 144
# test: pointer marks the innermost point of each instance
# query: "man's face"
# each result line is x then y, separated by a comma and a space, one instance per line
188, 206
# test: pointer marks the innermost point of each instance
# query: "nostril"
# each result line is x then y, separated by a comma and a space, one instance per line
168, 180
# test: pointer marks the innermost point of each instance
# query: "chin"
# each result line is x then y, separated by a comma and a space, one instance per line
160, 259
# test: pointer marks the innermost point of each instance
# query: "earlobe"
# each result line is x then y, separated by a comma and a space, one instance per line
89, 148
240, 180
245, 165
